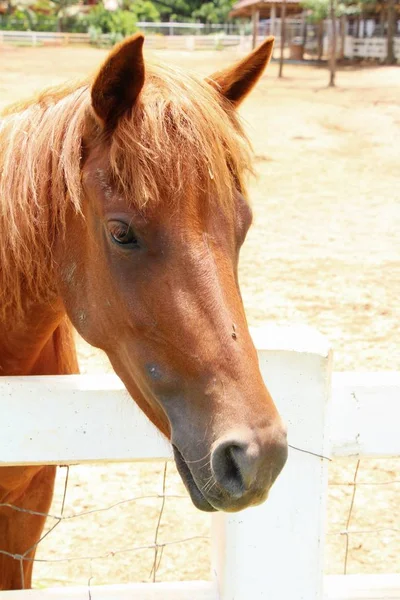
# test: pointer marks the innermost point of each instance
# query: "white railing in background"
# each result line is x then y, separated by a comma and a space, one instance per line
170, 27
354, 47
274, 551
163, 42
33, 38
374, 47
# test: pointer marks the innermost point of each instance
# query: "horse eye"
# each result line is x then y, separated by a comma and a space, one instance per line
122, 234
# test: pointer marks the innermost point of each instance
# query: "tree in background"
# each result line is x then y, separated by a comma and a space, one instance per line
117, 22
332, 45
214, 12
387, 15
144, 10
317, 13
283, 32
391, 23
175, 10
388, 10
319, 10
26, 16
59, 10
194, 10
183, 10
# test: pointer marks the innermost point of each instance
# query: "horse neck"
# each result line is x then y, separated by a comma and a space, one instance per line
30, 310
25, 337
40, 179
33, 207
34, 202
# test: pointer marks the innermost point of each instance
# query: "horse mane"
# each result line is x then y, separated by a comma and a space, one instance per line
180, 136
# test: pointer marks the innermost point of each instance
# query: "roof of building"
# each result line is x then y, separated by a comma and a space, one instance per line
244, 8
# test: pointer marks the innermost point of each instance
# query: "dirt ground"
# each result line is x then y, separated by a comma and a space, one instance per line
324, 250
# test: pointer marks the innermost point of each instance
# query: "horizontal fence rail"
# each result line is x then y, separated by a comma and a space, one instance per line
337, 587
272, 551
359, 423
373, 47
213, 41
107, 426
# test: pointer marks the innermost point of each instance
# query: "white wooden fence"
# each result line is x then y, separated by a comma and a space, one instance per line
373, 47
33, 38
161, 42
272, 552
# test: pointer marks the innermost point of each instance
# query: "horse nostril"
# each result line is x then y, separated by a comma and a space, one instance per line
229, 466
242, 467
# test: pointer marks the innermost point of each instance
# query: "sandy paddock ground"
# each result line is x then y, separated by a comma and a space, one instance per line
324, 250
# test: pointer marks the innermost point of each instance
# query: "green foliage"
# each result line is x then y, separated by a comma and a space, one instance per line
319, 9
75, 23
117, 24
31, 21
96, 38
45, 22
144, 10
189, 10
45, 7
118, 21
53, 15
18, 21
28, 20
214, 12
177, 10
59, 6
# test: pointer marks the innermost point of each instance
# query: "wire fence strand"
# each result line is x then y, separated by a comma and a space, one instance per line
157, 545
346, 532
156, 564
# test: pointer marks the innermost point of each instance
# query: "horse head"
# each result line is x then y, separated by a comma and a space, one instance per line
148, 267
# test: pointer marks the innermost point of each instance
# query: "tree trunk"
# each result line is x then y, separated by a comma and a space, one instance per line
391, 22
320, 39
332, 49
358, 27
382, 22
364, 24
283, 30
304, 25
343, 26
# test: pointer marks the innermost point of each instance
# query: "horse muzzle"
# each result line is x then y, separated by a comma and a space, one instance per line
239, 471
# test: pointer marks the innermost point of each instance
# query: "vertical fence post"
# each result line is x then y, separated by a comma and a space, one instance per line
348, 47
255, 21
190, 42
275, 551
273, 19
242, 43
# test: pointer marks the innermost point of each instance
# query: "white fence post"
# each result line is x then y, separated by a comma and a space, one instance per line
397, 48
348, 46
275, 551
190, 42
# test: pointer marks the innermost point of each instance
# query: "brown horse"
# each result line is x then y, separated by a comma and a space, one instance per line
123, 210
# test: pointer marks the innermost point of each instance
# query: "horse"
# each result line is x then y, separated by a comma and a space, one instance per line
123, 209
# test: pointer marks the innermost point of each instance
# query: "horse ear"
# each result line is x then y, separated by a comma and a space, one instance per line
236, 82
119, 80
